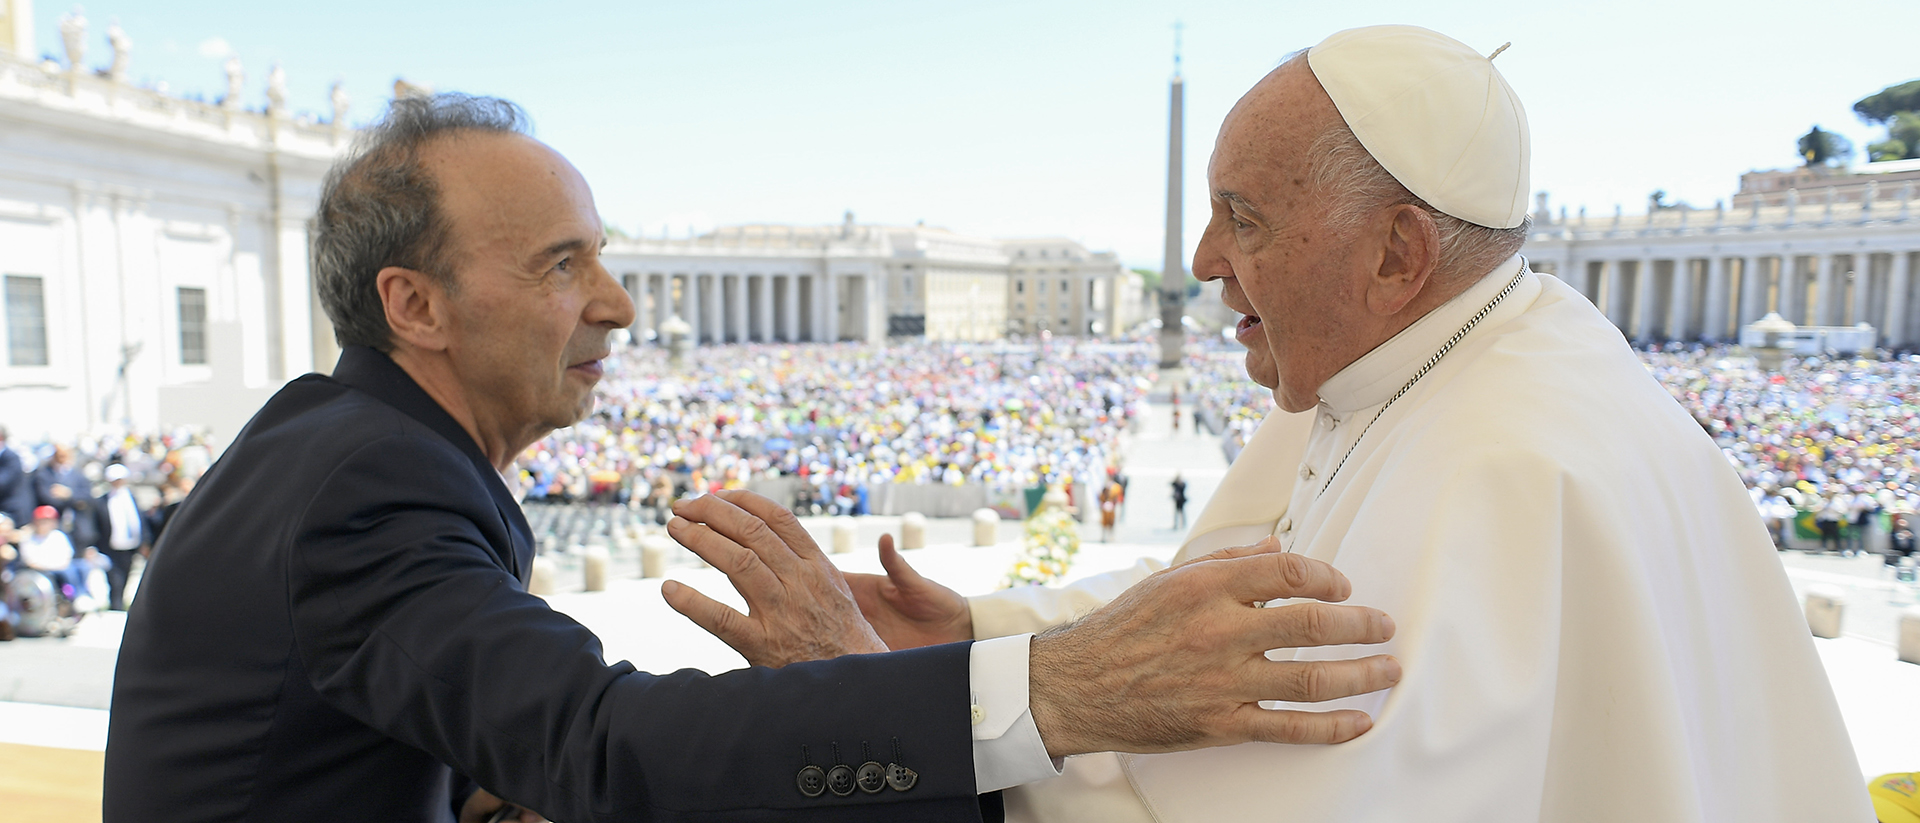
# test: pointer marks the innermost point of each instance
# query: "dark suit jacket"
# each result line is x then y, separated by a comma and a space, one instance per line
337, 615
16, 487
103, 524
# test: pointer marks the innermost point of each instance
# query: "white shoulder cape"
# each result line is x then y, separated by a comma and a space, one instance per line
1593, 623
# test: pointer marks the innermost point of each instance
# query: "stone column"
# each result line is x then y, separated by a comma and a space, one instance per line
1680, 301
1753, 292
739, 306
1614, 276
1643, 301
713, 304
662, 302
1898, 279
790, 309
759, 320
1715, 317
1788, 304
1863, 290
828, 330
1825, 310
690, 306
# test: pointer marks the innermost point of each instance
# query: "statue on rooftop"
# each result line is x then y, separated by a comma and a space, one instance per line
73, 35
340, 102
122, 51
277, 89
236, 77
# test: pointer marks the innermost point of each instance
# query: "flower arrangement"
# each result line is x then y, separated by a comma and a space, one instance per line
1052, 539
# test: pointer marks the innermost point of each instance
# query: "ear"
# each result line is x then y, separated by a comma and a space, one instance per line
416, 306
1410, 253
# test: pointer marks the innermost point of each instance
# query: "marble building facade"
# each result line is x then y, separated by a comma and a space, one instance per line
1684, 274
855, 282
153, 249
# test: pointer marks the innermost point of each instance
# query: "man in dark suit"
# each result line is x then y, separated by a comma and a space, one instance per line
124, 532
61, 484
336, 626
16, 486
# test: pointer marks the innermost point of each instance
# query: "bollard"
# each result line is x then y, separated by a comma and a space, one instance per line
1910, 634
842, 534
654, 551
1824, 607
593, 568
986, 527
540, 581
913, 531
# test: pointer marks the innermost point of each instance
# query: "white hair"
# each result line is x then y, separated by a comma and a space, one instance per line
1354, 187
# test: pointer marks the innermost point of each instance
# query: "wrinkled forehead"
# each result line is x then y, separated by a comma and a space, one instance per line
1269, 130
500, 184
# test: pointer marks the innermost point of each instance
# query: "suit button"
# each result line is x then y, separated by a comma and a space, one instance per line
812, 781
872, 777
840, 780
900, 777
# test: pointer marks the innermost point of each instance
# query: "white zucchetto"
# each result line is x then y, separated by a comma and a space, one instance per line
1436, 115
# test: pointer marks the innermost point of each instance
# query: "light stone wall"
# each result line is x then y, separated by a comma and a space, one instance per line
1685, 274
115, 198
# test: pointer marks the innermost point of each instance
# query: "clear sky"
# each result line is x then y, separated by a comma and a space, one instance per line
1024, 118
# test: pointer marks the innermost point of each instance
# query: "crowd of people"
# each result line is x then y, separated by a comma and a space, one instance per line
1828, 447
95, 504
841, 419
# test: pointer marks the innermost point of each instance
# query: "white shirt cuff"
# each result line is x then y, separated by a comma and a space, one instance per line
1007, 750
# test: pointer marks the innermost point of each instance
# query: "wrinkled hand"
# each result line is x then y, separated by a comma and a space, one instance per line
481, 807
798, 604
1179, 661
907, 610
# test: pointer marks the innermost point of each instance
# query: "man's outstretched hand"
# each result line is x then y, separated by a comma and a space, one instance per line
907, 610
798, 604
1179, 661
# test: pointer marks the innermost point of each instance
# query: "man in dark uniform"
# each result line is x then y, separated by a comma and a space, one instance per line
335, 624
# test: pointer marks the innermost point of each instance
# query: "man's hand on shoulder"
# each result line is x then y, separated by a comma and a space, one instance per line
798, 604
1179, 661
907, 610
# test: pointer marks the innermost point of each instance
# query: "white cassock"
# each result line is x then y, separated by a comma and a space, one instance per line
1592, 621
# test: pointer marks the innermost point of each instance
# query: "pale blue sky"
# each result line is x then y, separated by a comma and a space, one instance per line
1024, 118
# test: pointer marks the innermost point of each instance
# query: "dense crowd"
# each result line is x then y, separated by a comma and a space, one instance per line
1830, 441
843, 418
1828, 446
94, 504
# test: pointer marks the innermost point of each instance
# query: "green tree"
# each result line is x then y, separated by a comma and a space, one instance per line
1820, 147
1149, 279
1881, 107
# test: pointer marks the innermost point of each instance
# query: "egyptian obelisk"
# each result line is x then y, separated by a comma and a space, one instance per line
1173, 269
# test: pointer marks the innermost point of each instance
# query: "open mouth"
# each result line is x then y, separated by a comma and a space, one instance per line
1249, 325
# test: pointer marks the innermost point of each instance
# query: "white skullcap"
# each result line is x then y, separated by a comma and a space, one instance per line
1436, 115
116, 472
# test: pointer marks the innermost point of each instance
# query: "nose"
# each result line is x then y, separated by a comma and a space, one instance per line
610, 307
1208, 261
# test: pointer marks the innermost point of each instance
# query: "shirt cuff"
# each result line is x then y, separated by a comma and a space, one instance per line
1007, 750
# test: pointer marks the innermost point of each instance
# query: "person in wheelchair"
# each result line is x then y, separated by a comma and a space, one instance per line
48, 550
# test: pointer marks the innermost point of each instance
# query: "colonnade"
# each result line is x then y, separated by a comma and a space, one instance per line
786, 307
1709, 296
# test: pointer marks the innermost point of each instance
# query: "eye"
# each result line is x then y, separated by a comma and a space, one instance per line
565, 264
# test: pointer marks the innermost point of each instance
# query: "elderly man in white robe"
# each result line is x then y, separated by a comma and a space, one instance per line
1592, 621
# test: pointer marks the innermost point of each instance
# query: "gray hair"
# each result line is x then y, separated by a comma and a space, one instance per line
379, 207
1355, 187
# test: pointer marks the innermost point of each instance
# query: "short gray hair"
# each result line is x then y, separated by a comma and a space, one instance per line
379, 207
1354, 187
